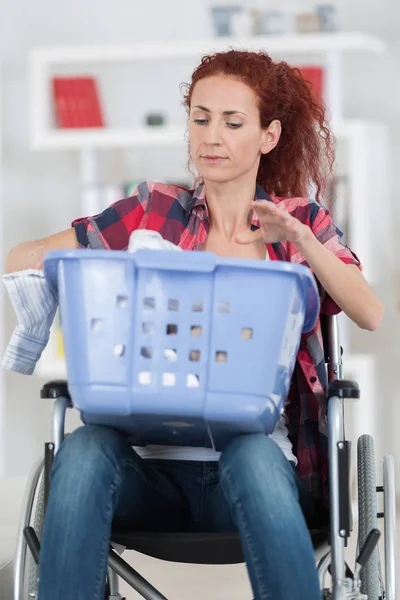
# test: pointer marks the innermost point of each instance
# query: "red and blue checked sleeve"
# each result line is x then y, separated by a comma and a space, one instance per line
330, 236
112, 228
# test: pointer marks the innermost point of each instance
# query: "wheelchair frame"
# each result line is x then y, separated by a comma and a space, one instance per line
342, 588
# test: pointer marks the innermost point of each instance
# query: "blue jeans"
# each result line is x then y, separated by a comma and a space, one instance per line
99, 481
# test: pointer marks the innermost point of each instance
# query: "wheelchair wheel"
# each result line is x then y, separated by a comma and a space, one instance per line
367, 513
23, 558
389, 488
37, 522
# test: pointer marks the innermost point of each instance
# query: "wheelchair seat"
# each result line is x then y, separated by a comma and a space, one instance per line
198, 548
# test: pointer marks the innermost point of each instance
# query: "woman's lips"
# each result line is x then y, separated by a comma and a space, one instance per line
213, 159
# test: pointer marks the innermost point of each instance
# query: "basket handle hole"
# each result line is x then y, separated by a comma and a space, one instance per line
221, 356
169, 379
146, 352
172, 329
192, 381
173, 304
149, 302
119, 350
171, 354
198, 307
148, 328
247, 333
97, 324
196, 330
144, 377
122, 301
224, 307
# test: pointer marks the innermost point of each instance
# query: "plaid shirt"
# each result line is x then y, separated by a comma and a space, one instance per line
181, 217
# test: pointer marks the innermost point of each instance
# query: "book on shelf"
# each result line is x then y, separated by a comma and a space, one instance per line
77, 102
314, 76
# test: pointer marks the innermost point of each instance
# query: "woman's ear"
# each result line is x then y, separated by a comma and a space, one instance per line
270, 136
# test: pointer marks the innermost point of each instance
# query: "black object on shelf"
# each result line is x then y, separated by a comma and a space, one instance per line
155, 120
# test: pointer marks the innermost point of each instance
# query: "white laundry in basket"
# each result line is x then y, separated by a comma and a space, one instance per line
146, 239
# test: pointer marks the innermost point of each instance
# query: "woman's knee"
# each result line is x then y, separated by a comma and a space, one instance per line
90, 450
255, 458
250, 448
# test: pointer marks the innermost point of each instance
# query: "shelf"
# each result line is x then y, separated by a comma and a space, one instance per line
318, 43
78, 139
43, 62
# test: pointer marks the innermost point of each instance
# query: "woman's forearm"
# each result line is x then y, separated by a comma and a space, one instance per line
344, 283
30, 255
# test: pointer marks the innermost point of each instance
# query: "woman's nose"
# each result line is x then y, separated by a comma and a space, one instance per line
213, 134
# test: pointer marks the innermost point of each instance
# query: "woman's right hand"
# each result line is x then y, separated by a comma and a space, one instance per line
276, 225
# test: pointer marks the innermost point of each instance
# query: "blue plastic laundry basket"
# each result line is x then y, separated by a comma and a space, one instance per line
180, 348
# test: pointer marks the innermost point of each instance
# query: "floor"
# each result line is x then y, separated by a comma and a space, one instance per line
195, 582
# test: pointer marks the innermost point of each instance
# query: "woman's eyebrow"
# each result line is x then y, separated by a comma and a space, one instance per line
226, 112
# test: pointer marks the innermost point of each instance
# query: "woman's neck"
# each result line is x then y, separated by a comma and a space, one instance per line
229, 206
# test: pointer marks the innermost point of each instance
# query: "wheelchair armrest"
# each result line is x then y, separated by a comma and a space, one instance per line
57, 388
343, 388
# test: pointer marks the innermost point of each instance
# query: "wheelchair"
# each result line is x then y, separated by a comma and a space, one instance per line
208, 298
329, 540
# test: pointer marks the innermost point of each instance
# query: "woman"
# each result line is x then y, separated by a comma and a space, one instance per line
258, 140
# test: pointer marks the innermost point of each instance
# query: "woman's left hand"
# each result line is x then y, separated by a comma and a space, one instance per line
276, 225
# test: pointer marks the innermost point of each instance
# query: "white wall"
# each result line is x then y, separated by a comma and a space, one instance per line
42, 190
2, 386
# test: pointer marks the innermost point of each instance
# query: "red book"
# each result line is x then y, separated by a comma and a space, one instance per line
315, 77
77, 103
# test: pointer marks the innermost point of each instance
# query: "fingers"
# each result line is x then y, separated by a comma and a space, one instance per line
249, 237
265, 208
268, 213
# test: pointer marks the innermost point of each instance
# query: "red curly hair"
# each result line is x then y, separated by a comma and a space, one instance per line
305, 153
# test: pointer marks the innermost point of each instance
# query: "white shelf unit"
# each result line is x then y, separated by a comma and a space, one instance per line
328, 46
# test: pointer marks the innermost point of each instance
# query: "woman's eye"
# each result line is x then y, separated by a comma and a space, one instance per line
205, 121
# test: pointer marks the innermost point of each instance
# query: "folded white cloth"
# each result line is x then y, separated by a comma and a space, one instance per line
145, 239
35, 306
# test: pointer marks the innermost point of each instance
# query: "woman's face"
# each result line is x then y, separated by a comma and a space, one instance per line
226, 138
